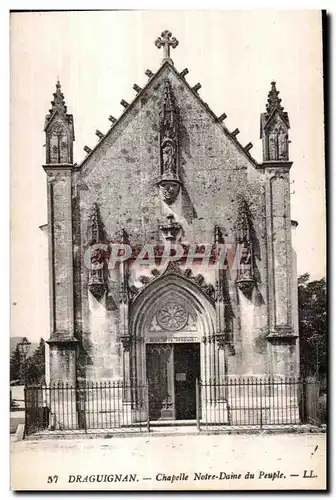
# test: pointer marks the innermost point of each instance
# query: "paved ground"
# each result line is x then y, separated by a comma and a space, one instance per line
16, 418
180, 462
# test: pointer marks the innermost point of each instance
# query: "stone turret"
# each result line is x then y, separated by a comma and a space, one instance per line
59, 130
60, 136
274, 126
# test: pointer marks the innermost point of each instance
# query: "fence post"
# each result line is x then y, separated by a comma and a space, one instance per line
147, 404
84, 407
261, 405
197, 406
25, 407
304, 400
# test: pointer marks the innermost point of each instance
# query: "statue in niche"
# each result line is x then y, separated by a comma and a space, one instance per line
97, 257
168, 158
169, 182
245, 274
245, 264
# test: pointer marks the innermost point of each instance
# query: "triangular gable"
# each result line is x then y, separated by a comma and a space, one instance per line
66, 119
282, 116
50, 119
266, 120
115, 128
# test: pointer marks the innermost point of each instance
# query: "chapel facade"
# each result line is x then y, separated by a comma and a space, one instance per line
168, 173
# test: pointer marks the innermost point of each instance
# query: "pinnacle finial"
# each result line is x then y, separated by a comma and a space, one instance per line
58, 102
273, 101
167, 97
96, 230
274, 125
166, 41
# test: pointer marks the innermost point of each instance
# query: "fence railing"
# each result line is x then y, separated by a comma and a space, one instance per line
107, 405
251, 401
243, 401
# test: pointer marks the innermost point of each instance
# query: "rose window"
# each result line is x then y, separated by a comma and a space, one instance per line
172, 316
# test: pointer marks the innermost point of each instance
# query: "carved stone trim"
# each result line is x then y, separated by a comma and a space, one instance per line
172, 316
246, 285
172, 267
169, 190
243, 227
62, 339
97, 289
282, 332
126, 343
123, 292
172, 229
221, 341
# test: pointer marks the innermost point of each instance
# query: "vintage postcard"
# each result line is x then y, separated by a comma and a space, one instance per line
168, 297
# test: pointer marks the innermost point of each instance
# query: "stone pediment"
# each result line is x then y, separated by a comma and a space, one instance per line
143, 97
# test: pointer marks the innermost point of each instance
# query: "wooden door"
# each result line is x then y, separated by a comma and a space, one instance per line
160, 376
187, 369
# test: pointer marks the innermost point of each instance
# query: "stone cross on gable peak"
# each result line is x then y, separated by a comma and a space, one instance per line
166, 41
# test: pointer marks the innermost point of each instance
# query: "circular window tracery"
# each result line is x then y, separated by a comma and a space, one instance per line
172, 316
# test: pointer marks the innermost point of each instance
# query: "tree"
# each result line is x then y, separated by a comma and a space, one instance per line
16, 365
312, 300
36, 365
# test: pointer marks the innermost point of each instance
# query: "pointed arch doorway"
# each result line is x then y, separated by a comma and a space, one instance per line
172, 370
170, 322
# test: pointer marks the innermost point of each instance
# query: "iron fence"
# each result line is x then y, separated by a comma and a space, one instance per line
254, 402
90, 406
242, 402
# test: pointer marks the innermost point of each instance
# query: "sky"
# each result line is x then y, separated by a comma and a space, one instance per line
98, 56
